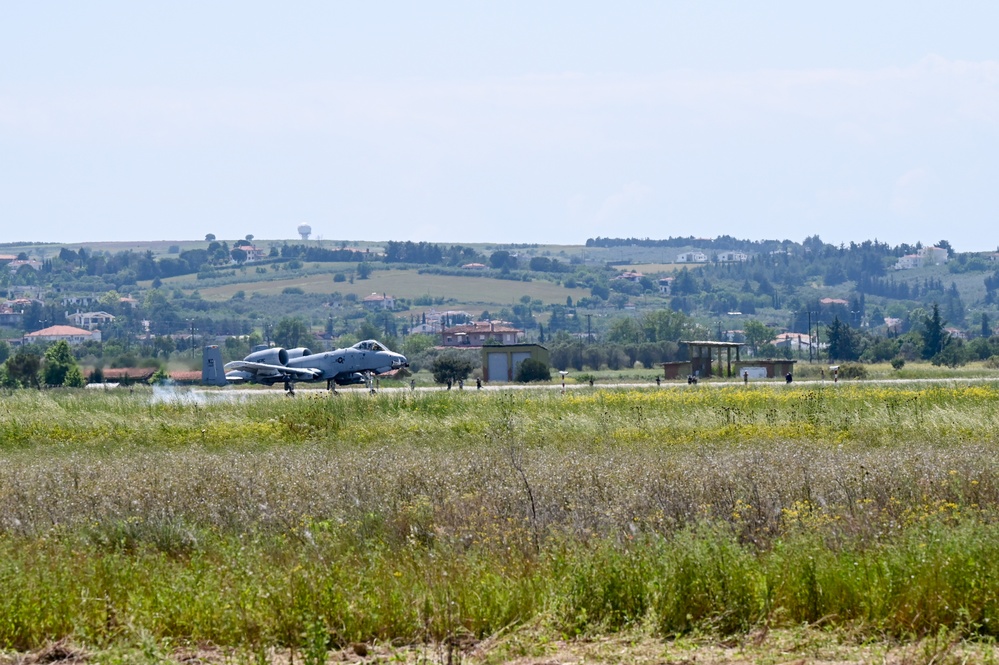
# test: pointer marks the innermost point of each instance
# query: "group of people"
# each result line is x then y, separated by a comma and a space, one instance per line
461, 384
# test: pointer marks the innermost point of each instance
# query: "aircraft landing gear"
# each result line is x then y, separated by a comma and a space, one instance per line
289, 388
331, 386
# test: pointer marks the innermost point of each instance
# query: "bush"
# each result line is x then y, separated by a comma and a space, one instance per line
451, 367
533, 370
852, 371
897, 362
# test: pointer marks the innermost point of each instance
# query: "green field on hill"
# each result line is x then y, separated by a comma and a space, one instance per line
471, 291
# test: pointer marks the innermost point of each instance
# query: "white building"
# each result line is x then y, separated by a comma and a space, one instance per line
927, 256
91, 320
69, 334
379, 301
692, 257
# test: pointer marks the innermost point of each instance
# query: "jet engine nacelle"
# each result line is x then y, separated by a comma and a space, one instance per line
275, 356
300, 352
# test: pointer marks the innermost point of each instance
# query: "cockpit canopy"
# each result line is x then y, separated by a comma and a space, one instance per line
369, 345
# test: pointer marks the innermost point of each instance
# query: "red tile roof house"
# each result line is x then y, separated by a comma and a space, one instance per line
70, 334
478, 333
379, 301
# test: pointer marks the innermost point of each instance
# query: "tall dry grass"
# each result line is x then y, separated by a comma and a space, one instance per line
431, 515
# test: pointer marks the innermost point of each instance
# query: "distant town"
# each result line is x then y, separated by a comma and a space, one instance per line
129, 311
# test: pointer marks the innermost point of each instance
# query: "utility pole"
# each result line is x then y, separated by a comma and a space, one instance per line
809, 338
816, 337
589, 336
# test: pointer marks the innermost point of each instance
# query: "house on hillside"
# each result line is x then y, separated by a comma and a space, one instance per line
665, 285
795, 341
69, 334
10, 318
732, 257
378, 301
479, 332
927, 256
16, 265
893, 325
692, 257
630, 276
91, 320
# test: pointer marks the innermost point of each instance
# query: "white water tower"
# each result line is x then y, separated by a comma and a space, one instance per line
304, 230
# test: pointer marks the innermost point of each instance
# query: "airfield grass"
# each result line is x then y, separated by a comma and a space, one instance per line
445, 518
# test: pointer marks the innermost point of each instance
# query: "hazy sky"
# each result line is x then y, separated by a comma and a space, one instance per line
500, 121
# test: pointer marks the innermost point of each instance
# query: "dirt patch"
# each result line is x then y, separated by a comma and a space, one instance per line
528, 646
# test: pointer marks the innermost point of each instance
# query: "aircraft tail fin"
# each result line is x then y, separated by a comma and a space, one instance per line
212, 369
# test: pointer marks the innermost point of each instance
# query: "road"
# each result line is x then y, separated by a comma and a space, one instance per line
306, 390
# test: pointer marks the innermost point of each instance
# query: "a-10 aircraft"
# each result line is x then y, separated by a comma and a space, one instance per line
271, 365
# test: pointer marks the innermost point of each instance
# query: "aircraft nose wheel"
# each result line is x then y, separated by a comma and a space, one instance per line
289, 388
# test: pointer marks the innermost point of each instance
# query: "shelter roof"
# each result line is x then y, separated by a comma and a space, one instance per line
722, 345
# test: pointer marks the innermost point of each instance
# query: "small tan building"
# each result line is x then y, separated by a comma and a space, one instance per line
500, 363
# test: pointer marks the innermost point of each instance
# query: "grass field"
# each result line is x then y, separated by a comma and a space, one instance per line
449, 524
472, 291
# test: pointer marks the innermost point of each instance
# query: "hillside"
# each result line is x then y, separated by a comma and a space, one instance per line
221, 288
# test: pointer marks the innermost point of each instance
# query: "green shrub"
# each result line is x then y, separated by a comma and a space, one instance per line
533, 370
852, 371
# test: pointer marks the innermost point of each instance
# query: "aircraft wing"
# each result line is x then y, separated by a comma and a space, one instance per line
265, 369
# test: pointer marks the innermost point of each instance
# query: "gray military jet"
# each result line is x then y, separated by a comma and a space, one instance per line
270, 365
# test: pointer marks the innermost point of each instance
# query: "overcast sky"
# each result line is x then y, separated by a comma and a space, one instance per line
500, 121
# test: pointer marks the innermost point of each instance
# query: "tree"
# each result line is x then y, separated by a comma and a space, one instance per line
291, 332
935, 338
4, 350
665, 325
758, 334
74, 378
502, 260
841, 341
363, 270
625, 330
451, 366
209, 237
238, 255
533, 370
953, 354
58, 361
600, 291
23, 367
